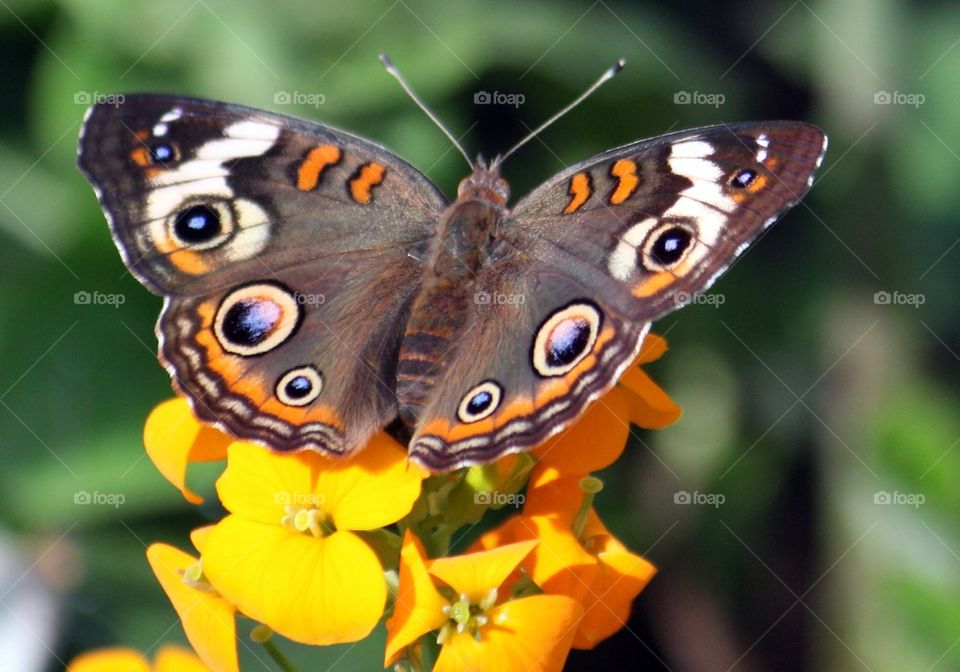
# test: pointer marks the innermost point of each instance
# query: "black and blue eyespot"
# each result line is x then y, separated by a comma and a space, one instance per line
743, 179
480, 402
565, 338
256, 318
163, 153
299, 386
670, 245
197, 224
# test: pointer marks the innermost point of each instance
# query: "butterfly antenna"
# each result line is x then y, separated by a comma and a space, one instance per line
392, 69
609, 74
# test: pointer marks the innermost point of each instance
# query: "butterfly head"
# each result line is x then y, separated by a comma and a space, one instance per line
486, 183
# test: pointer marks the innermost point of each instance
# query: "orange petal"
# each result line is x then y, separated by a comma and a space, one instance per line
619, 578
208, 619
549, 494
529, 634
176, 659
595, 441
376, 487
325, 590
117, 659
652, 349
419, 606
174, 437
475, 574
650, 407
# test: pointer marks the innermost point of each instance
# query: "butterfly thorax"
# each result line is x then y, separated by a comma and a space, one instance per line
446, 299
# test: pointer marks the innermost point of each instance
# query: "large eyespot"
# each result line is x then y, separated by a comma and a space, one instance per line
667, 246
202, 226
256, 318
299, 386
743, 179
565, 338
480, 402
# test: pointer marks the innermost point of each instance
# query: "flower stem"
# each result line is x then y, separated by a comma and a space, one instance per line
590, 485
264, 636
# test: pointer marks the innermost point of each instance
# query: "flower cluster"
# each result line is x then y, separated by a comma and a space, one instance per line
320, 551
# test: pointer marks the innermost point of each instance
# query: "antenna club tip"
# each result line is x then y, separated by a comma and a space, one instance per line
385, 60
618, 66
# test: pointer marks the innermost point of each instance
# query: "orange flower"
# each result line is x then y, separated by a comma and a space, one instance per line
598, 438
576, 556
481, 627
208, 620
174, 437
169, 659
289, 555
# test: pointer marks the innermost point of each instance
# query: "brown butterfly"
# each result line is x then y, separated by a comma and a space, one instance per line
316, 286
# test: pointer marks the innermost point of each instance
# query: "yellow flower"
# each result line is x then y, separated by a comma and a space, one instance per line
289, 555
174, 437
208, 620
598, 438
481, 627
576, 556
169, 659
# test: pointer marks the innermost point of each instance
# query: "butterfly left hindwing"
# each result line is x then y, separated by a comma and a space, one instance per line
597, 253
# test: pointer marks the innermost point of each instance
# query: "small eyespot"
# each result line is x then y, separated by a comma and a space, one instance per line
197, 224
565, 338
299, 386
743, 179
255, 319
163, 153
480, 402
666, 246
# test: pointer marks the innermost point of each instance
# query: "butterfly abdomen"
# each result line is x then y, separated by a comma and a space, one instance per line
445, 300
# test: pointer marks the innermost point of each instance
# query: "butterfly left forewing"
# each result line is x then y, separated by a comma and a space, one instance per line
596, 254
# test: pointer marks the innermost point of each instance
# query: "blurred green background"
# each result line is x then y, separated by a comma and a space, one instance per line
825, 419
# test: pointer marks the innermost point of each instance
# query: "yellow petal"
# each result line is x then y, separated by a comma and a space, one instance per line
530, 634
649, 406
325, 590
619, 578
208, 619
419, 606
258, 484
176, 659
594, 442
198, 537
475, 574
174, 437
376, 487
116, 659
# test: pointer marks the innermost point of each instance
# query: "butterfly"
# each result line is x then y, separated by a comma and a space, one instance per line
317, 287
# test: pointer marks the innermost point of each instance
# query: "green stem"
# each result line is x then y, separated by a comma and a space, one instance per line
281, 660
590, 486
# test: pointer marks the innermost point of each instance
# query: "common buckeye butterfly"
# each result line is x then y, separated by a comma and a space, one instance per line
316, 286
